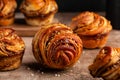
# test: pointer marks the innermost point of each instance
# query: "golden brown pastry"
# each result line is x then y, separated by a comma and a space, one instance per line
106, 64
11, 49
7, 12
39, 12
92, 28
55, 46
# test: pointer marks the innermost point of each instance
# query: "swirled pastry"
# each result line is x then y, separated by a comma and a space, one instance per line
92, 28
106, 64
11, 49
55, 46
39, 12
7, 12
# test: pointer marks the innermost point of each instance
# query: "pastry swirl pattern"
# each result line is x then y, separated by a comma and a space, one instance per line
106, 64
34, 8
11, 49
92, 28
90, 23
7, 8
55, 46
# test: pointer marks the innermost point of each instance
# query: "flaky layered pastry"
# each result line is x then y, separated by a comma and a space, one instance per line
39, 12
92, 28
7, 12
11, 49
106, 64
55, 46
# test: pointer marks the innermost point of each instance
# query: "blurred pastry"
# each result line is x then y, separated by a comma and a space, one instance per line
7, 12
55, 46
92, 28
106, 64
39, 12
11, 49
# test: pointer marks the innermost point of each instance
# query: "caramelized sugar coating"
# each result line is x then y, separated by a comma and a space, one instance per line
7, 12
11, 49
106, 64
55, 46
92, 28
39, 12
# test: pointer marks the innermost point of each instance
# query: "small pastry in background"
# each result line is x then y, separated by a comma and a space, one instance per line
7, 12
11, 49
92, 28
55, 46
106, 64
39, 12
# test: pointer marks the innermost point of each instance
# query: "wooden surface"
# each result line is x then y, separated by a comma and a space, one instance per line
22, 28
26, 30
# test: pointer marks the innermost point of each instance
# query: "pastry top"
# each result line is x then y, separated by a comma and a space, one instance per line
105, 63
90, 23
55, 46
38, 7
10, 43
7, 7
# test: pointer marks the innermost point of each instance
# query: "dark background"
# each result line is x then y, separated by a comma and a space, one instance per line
78, 5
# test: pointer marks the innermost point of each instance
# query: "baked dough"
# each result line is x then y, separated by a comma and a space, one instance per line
7, 12
55, 46
11, 49
106, 64
39, 12
92, 28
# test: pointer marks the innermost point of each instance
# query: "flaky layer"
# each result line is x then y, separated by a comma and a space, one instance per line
106, 64
11, 43
92, 28
39, 21
90, 23
39, 8
11, 49
7, 8
55, 46
7, 12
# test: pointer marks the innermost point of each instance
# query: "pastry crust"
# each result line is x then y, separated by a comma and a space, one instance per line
55, 46
11, 49
39, 12
92, 28
106, 64
7, 12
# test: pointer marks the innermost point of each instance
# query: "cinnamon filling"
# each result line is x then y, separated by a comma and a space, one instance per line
94, 37
114, 66
106, 69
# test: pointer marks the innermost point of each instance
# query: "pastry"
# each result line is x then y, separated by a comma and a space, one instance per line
11, 49
55, 46
106, 64
92, 28
39, 12
7, 12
